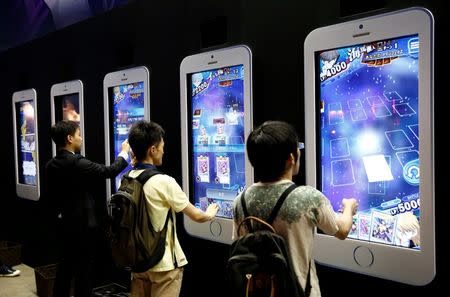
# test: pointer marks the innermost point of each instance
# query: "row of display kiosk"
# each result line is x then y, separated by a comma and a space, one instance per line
368, 98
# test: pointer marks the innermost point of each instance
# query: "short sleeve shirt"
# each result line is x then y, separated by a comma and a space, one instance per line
163, 193
304, 209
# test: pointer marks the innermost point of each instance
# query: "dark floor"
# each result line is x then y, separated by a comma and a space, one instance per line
111, 290
24, 285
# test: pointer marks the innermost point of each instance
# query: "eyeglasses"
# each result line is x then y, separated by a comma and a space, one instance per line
301, 145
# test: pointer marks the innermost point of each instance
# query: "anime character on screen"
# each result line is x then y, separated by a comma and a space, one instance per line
27, 129
408, 230
117, 96
203, 168
27, 126
328, 58
203, 137
364, 226
223, 169
232, 116
383, 228
70, 112
220, 138
354, 230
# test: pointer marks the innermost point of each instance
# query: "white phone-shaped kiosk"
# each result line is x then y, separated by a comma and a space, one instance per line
216, 118
370, 135
67, 104
126, 96
26, 153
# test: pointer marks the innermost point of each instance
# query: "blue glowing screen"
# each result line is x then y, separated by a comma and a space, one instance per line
127, 108
217, 137
26, 142
369, 136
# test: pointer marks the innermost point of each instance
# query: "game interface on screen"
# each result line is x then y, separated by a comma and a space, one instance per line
128, 108
217, 137
369, 137
26, 142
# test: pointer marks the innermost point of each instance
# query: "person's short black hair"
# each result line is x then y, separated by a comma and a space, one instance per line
269, 147
61, 130
142, 136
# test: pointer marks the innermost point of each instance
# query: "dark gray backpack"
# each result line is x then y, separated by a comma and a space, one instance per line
259, 263
135, 245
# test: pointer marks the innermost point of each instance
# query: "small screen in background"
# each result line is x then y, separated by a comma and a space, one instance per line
127, 102
217, 138
67, 107
26, 142
369, 136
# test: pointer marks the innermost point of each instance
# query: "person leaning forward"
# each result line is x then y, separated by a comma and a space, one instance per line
274, 151
71, 183
164, 198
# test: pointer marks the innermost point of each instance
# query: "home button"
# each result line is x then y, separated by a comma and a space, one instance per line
363, 256
215, 228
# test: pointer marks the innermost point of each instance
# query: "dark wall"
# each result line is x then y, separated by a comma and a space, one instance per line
159, 36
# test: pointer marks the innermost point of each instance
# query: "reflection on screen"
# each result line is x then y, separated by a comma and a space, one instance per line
217, 137
67, 107
26, 142
127, 108
369, 140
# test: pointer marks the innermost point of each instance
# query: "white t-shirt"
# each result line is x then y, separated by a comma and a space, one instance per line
164, 193
304, 209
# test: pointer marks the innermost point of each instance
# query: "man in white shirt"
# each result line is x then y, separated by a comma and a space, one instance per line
163, 195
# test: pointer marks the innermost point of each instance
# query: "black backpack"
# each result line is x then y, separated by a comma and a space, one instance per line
259, 263
134, 243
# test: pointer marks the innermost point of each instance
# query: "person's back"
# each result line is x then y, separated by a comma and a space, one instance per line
163, 201
62, 174
273, 150
303, 209
72, 182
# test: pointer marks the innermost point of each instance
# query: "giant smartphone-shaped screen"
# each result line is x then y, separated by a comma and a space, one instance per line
369, 136
216, 118
26, 153
67, 104
126, 101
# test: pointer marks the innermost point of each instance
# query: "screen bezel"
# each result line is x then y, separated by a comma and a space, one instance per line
23, 190
388, 261
112, 79
63, 89
236, 55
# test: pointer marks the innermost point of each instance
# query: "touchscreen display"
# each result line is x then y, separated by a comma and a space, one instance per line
369, 136
67, 107
217, 140
127, 103
26, 142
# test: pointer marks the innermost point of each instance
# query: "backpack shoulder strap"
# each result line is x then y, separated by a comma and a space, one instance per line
126, 174
245, 211
244, 206
280, 201
144, 176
